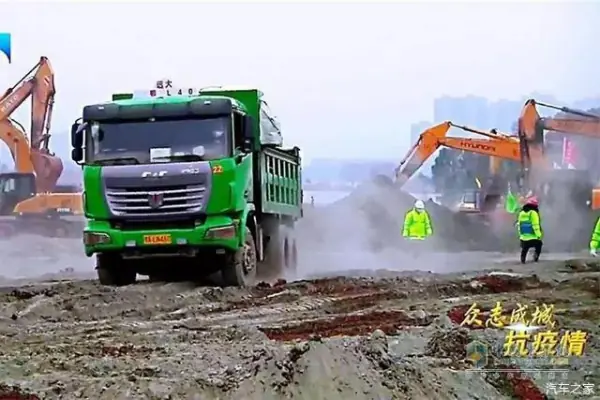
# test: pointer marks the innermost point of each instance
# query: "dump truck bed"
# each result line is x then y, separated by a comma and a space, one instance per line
280, 180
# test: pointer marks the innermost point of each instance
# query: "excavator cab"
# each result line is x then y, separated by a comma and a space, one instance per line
15, 187
485, 199
470, 202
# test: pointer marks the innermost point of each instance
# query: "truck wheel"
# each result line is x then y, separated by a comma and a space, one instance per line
240, 266
113, 271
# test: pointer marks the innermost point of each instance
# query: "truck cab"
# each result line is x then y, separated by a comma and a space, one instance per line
188, 178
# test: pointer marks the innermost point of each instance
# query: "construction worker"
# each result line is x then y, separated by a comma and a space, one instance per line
417, 224
595, 241
530, 229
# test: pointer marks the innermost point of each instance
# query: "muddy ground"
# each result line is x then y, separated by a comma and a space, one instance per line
386, 335
362, 319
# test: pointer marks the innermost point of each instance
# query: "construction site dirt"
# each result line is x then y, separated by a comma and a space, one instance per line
388, 334
363, 318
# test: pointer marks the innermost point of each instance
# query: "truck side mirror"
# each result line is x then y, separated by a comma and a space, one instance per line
248, 134
77, 154
76, 136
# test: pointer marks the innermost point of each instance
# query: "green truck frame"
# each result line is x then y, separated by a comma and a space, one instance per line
231, 210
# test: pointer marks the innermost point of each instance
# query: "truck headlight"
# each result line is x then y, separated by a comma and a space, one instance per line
221, 232
95, 238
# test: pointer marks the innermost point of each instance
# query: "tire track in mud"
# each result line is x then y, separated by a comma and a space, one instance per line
270, 306
357, 306
120, 323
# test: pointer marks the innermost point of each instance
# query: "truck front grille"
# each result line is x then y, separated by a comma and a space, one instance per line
164, 200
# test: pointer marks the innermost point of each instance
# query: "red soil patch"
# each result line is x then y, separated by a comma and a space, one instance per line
15, 393
362, 301
326, 286
341, 286
522, 386
506, 283
346, 325
363, 292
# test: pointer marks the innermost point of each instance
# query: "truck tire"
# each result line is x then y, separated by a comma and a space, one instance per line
113, 271
281, 256
290, 256
240, 266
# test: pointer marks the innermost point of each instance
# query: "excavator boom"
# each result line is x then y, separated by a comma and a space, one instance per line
497, 145
508, 150
18, 145
582, 127
531, 132
34, 154
39, 84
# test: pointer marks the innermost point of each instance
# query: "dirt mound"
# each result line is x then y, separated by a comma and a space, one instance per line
372, 216
450, 344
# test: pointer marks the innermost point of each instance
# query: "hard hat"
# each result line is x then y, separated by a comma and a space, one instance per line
532, 200
419, 205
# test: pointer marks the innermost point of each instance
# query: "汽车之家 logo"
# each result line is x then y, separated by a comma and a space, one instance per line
5, 45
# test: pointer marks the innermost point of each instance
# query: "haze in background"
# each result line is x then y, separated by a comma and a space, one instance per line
346, 80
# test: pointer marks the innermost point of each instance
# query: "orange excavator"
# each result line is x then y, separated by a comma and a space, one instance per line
29, 197
497, 146
537, 172
38, 83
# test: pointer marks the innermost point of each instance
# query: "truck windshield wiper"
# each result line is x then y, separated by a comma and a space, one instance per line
181, 157
118, 161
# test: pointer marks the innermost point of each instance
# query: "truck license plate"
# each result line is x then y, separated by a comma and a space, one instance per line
157, 239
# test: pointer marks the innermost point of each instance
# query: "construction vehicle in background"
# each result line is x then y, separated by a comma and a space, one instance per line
568, 195
201, 178
532, 128
30, 199
496, 146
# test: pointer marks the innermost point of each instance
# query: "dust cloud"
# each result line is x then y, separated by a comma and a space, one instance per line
566, 216
364, 232
31, 256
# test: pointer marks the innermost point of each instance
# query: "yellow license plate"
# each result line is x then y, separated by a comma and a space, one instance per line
157, 239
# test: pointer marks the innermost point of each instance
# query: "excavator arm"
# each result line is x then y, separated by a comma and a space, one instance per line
418, 154
18, 145
42, 101
497, 145
582, 127
39, 84
33, 154
532, 141
532, 127
587, 124
508, 150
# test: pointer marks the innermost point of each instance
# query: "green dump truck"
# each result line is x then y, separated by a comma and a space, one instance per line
180, 187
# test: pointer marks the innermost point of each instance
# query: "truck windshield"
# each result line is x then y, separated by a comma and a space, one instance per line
142, 142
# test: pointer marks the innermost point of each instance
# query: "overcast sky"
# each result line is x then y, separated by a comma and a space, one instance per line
340, 77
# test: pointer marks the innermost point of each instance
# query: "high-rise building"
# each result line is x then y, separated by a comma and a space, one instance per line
469, 110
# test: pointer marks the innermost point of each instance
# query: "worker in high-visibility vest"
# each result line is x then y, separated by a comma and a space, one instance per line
595, 241
417, 223
530, 229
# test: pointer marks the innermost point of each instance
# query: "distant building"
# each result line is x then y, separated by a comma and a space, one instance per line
481, 113
469, 110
